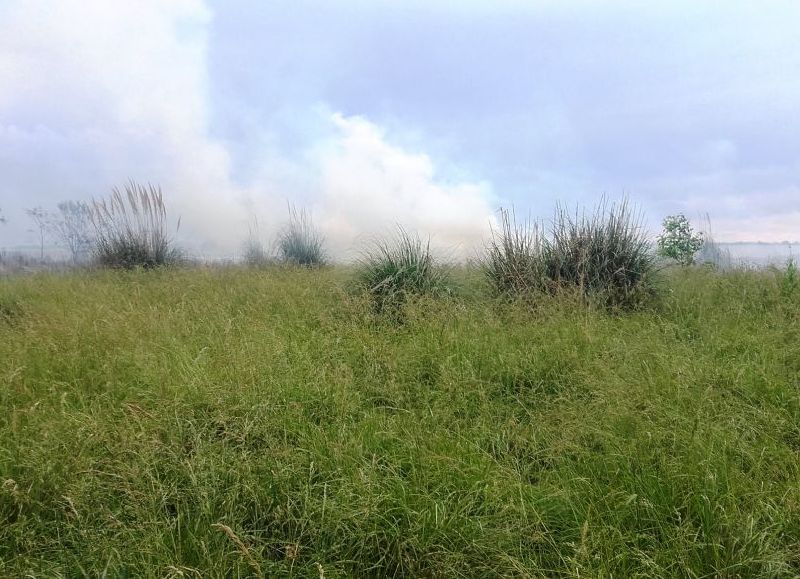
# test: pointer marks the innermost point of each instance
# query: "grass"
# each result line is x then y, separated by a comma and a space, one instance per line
514, 264
399, 268
254, 253
203, 422
130, 229
299, 242
605, 258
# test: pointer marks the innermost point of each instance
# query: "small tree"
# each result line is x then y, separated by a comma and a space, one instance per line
71, 227
679, 241
2, 218
40, 219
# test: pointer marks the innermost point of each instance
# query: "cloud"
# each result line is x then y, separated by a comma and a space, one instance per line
547, 100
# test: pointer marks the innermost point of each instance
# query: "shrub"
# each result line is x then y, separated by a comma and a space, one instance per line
513, 263
606, 255
403, 266
131, 229
299, 242
679, 241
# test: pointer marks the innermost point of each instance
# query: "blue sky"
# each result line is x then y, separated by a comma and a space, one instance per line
430, 113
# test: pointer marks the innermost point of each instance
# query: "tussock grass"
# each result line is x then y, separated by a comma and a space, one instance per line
130, 229
299, 242
399, 267
605, 257
237, 423
254, 253
514, 263
712, 253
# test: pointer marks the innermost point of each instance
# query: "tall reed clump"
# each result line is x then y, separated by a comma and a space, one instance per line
299, 242
606, 255
397, 268
513, 263
131, 229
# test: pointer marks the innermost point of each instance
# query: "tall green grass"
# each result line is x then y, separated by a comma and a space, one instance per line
299, 242
514, 262
399, 267
214, 423
605, 256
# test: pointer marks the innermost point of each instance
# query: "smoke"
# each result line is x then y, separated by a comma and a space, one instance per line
367, 186
94, 93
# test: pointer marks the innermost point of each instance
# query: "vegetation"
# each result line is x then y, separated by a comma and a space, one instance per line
255, 255
130, 229
605, 257
679, 241
398, 268
71, 227
246, 422
790, 280
17, 262
299, 242
39, 217
712, 253
514, 262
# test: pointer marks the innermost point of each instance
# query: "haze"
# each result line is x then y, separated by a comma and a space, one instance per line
430, 114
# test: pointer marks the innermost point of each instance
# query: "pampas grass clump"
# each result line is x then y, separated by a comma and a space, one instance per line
131, 229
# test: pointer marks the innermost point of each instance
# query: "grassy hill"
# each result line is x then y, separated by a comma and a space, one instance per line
224, 422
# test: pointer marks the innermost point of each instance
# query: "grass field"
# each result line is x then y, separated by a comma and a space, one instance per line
224, 422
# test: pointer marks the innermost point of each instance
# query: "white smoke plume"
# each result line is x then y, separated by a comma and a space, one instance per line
93, 93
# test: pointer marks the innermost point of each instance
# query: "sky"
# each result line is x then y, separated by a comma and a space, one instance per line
431, 114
